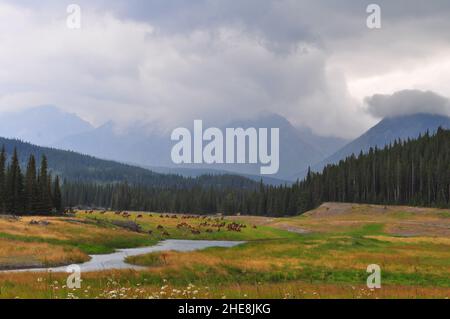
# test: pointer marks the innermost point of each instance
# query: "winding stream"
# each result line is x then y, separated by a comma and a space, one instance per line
116, 260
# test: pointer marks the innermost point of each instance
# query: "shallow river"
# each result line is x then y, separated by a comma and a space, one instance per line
116, 260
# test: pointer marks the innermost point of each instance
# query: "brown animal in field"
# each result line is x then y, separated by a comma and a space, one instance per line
161, 216
140, 216
150, 232
182, 225
209, 230
160, 227
234, 227
195, 232
166, 234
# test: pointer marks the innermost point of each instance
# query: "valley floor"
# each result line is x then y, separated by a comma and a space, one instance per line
322, 254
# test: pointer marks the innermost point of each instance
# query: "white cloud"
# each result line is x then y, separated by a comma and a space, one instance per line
408, 102
126, 71
217, 60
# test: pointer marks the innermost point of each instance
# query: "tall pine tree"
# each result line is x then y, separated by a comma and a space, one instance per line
57, 198
31, 187
45, 204
3, 180
14, 186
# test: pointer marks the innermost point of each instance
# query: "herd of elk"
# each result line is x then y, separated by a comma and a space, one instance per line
209, 222
236, 227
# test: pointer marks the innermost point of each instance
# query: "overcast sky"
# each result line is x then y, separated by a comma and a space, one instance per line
167, 62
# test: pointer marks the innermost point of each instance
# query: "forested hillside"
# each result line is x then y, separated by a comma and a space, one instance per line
413, 172
389, 130
75, 167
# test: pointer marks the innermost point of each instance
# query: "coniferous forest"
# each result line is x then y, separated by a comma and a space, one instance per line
413, 172
28, 193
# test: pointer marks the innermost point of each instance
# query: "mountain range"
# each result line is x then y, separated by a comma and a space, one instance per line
144, 147
149, 150
385, 132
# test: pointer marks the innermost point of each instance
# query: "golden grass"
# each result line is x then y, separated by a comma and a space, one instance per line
414, 240
340, 238
113, 287
23, 244
342, 217
16, 254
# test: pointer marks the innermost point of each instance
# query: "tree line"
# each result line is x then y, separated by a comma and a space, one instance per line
411, 172
192, 200
28, 193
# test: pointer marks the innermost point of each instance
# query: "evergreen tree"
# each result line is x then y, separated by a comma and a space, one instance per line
31, 186
57, 199
3, 180
14, 187
45, 204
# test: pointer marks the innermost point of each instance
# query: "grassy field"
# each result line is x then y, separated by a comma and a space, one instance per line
322, 254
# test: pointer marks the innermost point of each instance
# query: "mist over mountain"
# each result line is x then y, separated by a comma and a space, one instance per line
75, 167
42, 125
385, 132
142, 146
325, 145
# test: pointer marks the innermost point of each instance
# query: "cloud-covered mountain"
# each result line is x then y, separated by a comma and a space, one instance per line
387, 131
142, 146
407, 102
43, 125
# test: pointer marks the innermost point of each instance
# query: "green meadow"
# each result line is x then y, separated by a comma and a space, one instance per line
322, 254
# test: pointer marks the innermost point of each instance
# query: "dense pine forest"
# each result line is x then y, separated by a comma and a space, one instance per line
28, 193
413, 172
77, 167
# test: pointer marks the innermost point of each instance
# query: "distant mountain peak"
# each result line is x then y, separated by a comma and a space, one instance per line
387, 131
41, 125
